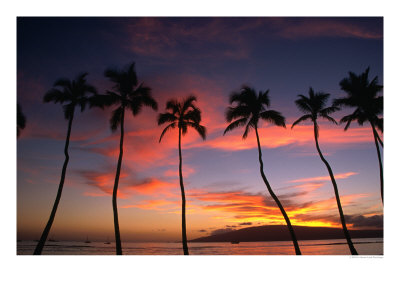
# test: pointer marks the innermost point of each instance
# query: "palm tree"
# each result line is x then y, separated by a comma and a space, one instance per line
249, 109
314, 106
362, 95
21, 120
127, 94
71, 94
182, 115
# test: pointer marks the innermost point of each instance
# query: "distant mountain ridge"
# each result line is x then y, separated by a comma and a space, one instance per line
281, 233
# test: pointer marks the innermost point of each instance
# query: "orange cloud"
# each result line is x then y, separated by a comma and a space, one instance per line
152, 186
273, 137
239, 206
154, 205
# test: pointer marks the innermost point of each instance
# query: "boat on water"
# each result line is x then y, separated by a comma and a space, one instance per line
107, 242
87, 240
235, 242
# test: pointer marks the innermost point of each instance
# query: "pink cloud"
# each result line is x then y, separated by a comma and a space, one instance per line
325, 178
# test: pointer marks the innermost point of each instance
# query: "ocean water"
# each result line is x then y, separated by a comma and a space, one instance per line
369, 246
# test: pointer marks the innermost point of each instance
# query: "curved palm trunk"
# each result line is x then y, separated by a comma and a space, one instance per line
43, 238
376, 139
289, 225
346, 232
184, 238
115, 190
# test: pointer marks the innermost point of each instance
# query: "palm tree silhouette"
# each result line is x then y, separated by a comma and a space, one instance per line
71, 94
21, 120
249, 109
362, 95
182, 115
314, 106
126, 94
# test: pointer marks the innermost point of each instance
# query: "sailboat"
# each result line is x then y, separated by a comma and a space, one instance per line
87, 240
107, 242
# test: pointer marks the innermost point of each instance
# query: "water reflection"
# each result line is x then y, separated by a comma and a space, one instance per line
371, 246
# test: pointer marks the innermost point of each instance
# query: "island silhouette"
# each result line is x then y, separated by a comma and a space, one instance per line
269, 233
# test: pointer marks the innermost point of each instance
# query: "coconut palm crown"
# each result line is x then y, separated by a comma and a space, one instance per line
71, 94
313, 107
126, 93
363, 95
249, 109
182, 115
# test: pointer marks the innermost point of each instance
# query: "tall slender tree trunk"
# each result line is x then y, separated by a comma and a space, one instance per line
376, 136
118, 246
289, 225
43, 238
184, 238
346, 232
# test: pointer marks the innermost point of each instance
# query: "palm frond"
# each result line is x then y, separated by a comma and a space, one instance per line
264, 98
247, 130
166, 117
131, 73
188, 103
329, 118
303, 104
55, 95
170, 126
64, 83
239, 111
235, 124
116, 118
348, 119
173, 105
113, 74
301, 119
199, 128
183, 126
245, 96
341, 102
328, 110
193, 115
273, 117
69, 110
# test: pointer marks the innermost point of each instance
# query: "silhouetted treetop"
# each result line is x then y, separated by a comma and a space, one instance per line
71, 94
248, 107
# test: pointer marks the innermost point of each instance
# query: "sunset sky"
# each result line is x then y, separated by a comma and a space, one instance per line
210, 58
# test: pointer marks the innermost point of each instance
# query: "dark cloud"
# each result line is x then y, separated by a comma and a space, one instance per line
286, 199
359, 221
245, 223
202, 230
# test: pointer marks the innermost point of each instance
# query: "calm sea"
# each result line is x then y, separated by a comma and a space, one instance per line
371, 246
